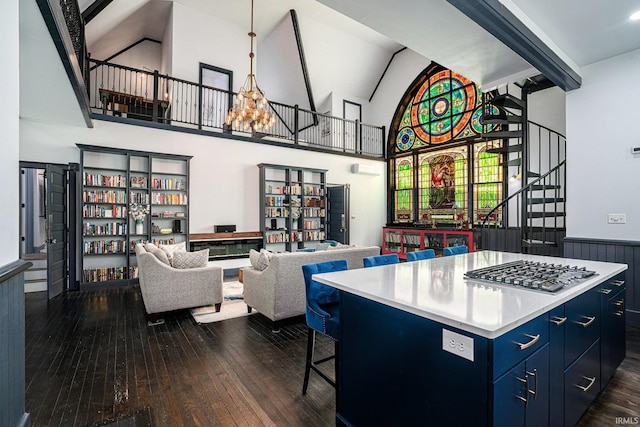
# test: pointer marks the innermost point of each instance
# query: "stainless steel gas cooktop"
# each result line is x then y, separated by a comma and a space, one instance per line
533, 275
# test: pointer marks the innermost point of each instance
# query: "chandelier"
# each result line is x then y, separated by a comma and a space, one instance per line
250, 109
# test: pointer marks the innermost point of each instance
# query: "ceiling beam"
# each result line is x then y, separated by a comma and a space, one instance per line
499, 21
94, 9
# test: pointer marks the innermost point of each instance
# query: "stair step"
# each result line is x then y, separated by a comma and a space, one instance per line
545, 187
502, 134
533, 243
533, 174
508, 101
543, 200
506, 149
538, 229
489, 119
513, 162
545, 214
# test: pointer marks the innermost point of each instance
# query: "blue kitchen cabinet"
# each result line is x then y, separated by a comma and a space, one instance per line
521, 396
613, 341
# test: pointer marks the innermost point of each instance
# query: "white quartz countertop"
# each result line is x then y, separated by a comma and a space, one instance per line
436, 289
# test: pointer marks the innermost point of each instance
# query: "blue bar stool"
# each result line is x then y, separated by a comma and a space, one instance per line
420, 255
455, 250
377, 260
322, 314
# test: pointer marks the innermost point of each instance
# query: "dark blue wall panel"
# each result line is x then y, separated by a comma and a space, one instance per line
12, 341
619, 251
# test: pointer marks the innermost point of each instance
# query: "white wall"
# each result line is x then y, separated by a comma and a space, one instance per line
198, 37
146, 55
602, 174
403, 70
548, 108
224, 185
9, 114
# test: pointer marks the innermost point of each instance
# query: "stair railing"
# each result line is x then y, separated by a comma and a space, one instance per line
514, 235
130, 93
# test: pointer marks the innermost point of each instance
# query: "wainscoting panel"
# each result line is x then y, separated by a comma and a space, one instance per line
12, 338
620, 251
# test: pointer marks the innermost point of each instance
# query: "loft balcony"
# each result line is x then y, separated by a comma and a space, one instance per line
106, 91
135, 96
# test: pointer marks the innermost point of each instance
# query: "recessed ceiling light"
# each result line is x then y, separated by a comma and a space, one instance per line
635, 16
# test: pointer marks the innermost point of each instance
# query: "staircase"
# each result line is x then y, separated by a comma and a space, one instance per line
531, 219
35, 277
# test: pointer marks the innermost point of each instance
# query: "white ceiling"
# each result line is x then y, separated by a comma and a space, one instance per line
579, 31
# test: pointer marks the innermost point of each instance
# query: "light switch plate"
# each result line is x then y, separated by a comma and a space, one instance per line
460, 345
613, 218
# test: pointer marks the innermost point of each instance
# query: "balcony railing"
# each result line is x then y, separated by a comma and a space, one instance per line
148, 95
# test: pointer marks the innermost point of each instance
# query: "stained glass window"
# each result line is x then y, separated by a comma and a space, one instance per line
437, 124
442, 186
488, 188
404, 189
445, 108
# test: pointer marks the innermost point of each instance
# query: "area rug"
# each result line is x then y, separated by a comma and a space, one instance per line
232, 307
232, 290
229, 310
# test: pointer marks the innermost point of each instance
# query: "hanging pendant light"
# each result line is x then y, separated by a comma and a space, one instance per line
251, 109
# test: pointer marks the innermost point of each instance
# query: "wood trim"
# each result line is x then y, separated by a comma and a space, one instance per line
13, 269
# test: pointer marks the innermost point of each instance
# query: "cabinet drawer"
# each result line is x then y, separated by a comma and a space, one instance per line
514, 346
581, 384
582, 327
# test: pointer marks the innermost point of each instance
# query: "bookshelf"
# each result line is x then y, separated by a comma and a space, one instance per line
293, 207
115, 183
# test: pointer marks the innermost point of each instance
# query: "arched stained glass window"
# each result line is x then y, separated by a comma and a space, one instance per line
438, 156
443, 107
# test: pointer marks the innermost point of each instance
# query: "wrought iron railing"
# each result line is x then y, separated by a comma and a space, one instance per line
148, 95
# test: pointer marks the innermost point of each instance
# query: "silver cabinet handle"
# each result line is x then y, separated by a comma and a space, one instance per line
534, 339
606, 291
587, 387
534, 374
525, 399
619, 303
558, 320
618, 283
588, 322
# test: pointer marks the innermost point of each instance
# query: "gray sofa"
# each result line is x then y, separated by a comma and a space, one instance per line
165, 288
278, 291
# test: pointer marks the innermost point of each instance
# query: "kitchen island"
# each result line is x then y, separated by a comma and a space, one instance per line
423, 345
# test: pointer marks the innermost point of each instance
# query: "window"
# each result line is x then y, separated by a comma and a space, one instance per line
436, 127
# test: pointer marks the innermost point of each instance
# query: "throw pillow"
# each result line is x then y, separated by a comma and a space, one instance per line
195, 259
323, 246
162, 257
170, 250
259, 260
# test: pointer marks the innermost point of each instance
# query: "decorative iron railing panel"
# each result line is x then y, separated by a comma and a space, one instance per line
145, 95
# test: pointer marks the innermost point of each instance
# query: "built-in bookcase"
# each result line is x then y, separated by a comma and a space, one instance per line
114, 181
293, 207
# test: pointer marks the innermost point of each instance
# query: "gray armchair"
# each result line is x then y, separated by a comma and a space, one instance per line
165, 288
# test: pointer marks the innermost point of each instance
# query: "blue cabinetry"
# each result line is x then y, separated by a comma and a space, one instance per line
394, 369
521, 396
613, 342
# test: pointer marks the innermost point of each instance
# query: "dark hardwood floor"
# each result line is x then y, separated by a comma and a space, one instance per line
92, 359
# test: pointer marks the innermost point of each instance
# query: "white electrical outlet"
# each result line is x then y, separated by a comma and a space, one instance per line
460, 345
617, 218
